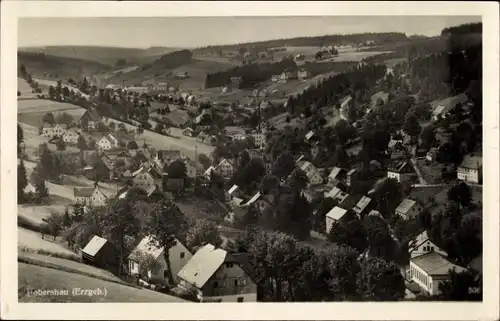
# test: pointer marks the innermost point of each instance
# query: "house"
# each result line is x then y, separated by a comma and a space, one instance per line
90, 119
225, 168
352, 177
408, 209
51, 131
167, 156
259, 139
421, 245
148, 178
187, 132
157, 273
29, 188
107, 142
236, 81
431, 269
470, 170
345, 103
431, 154
101, 253
402, 172
71, 137
333, 216
288, 74
303, 74
275, 78
363, 206
234, 191
441, 109
309, 135
82, 195
193, 168
312, 173
215, 275
336, 175
208, 172
395, 149
99, 197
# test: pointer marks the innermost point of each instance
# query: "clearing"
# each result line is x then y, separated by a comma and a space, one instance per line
34, 241
37, 277
43, 106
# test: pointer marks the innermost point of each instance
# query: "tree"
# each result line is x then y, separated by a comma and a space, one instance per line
298, 179
122, 128
120, 222
52, 92
344, 131
204, 161
269, 183
380, 281
139, 131
283, 165
22, 181
121, 62
65, 118
462, 286
351, 233
81, 143
60, 145
54, 224
112, 126
159, 128
202, 232
146, 263
49, 118
388, 195
20, 134
66, 219
22, 71
177, 169
41, 189
460, 194
411, 125
379, 236
165, 222
427, 136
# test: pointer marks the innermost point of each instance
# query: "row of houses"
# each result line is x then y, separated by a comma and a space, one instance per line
211, 274
291, 74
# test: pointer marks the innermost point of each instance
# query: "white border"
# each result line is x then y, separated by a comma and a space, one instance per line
11, 309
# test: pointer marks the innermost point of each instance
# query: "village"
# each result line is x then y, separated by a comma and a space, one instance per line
189, 194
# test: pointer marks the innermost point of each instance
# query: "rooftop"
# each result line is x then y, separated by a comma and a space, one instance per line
83, 191
336, 213
405, 205
435, 264
472, 162
362, 204
94, 246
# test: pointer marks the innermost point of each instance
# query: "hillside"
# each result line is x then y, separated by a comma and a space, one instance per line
104, 55
56, 67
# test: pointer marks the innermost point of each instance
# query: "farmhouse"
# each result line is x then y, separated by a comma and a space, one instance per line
51, 131
421, 245
352, 177
157, 271
82, 195
259, 139
225, 168
288, 74
402, 172
71, 136
167, 156
236, 81
107, 142
101, 253
429, 270
336, 175
470, 170
333, 216
303, 74
215, 275
90, 119
187, 132
442, 108
148, 178
363, 206
312, 173
408, 209
395, 149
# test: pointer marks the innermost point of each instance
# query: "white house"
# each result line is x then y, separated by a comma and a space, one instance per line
442, 108
408, 209
51, 131
157, 273
336, 175
421, 245
259, 139
107, 142
225, 168
92, 196
71, 136
215, 275
303, 73
431, 269
470, 170
333, 216
312, 173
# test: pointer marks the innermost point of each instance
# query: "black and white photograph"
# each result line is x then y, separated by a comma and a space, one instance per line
250, 158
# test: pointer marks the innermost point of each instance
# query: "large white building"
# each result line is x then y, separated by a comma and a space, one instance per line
470, 170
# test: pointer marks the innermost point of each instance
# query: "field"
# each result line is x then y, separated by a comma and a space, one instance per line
36, 214
32, 240
43, 106
37, 277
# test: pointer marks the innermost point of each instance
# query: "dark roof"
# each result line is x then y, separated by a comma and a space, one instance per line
83, 191
402, 167
92, 115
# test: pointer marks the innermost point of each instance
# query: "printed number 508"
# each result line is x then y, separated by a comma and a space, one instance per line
474, 290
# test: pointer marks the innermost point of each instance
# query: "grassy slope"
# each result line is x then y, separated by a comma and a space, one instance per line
104, 55
32, 240
37, 277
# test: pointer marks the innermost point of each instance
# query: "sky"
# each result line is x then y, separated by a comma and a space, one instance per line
190, 32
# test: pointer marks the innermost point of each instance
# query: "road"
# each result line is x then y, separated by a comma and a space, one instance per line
417, 170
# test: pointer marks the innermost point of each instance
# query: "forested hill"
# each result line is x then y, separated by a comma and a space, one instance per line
469, 28
379, 38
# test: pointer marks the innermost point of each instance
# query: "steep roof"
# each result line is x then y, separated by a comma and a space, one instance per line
333, 192
232, 189
309, 135
435, 264
405, 205
94, 246
472, 162
253, 199
417, 240
83, 191
402, 167
147, 246
362, 204
336, 213
204, 263
335, 172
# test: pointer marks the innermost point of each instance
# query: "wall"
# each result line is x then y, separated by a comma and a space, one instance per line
225, 278
420, 250
420, 277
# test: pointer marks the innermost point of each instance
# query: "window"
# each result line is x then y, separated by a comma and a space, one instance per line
182, 255
216, 284
235, 282
165, 274
229, 265
240, 299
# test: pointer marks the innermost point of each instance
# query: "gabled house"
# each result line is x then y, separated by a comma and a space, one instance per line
82, 195
99, 197
168, 156
352, 178
422, 244
333, 216
99, 252
431, 269
215, 275
148, 178
157, 273
107, 142
336, 175
402, 171
309, 135
91, 119
312, 173
303, 74
71, 136
395, 149
363, 206
225, 168
470, 170
259, 139
187, 132
408, 209
431, 154
51, 131
234, 191
441, 109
